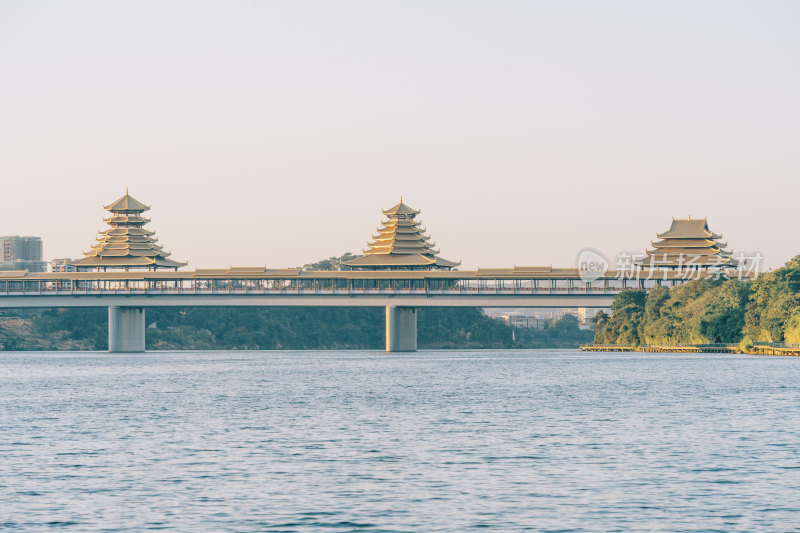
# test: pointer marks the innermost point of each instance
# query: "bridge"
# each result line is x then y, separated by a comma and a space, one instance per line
126, 294
127, 271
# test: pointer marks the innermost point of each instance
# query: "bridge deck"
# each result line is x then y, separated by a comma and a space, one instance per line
481, 288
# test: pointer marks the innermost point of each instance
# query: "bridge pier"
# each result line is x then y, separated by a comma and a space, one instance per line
125, 329
401, 329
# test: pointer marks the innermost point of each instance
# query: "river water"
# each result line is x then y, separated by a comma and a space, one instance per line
431, 441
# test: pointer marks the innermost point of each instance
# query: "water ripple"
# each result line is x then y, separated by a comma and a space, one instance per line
432, 441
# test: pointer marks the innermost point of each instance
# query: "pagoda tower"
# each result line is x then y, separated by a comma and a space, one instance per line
401, 244
126, 244
688, 243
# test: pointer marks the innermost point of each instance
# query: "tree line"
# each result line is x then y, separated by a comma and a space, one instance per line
285, 328
766, 309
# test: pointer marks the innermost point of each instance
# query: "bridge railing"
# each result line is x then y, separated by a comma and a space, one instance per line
789, 345
690, 345
322, 286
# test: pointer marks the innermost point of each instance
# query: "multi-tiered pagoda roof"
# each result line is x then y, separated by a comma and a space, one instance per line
126, 244
688, 242
401, 244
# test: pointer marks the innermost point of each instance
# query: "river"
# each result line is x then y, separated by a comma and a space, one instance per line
423, 442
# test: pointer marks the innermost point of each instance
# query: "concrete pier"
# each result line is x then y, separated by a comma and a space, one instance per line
125, 329
401, 329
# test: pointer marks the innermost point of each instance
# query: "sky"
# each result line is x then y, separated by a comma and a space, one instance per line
273, 133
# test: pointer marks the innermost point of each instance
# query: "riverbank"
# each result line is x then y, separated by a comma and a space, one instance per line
759, 316
758, 349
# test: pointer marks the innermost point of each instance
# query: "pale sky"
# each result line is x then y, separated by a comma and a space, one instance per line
273, 133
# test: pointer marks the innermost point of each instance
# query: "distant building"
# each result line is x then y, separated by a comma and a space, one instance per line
542, 318
22, 253
62, 265
518, 320
586, 314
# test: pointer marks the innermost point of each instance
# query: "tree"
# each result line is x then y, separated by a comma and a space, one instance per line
775, 298
626, 315
332, 263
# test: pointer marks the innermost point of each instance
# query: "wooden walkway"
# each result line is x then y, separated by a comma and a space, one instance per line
758, 349
607, 348
682, 348
775, 350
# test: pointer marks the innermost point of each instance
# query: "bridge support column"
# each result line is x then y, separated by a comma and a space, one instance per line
125, 329
401, 329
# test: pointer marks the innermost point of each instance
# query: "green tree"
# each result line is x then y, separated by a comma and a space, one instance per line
332, 263
775, 298
622, 327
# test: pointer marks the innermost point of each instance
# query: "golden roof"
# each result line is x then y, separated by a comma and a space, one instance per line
684, 243
126, 219
127, 262
126, 203
126, 231
400, 248
532, 269
401, 209
401, 242
688, 241
410, 237
247, 270
394, 221
689, 228
688, 251
391, 260
688, 260
13, 273
126, 244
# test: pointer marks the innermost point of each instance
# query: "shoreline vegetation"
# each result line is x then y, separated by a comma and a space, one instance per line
761, 316
280, 328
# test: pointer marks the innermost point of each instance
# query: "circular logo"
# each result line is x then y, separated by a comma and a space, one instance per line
591, 265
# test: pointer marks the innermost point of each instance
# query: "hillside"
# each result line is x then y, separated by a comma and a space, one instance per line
708, 311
